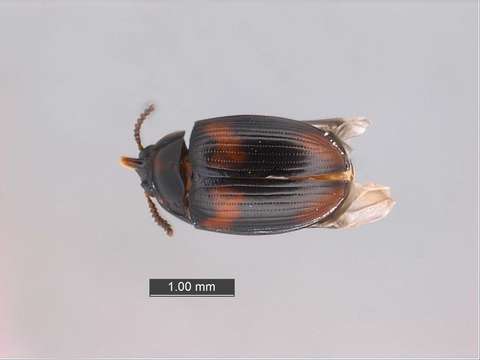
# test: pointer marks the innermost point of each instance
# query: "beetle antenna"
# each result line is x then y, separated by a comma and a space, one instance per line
138, 125
156, 216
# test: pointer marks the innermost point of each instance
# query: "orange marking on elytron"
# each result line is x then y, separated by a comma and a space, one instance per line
232, 154
227, 209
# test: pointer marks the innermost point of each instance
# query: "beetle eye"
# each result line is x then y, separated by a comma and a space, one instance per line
146, 186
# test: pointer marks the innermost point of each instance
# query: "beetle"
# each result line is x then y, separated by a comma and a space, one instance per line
255, 174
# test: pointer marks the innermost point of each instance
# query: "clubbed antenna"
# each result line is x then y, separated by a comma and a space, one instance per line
156, 216
138, 125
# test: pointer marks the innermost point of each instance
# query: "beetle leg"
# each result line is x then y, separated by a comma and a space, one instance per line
344, 128
365, 204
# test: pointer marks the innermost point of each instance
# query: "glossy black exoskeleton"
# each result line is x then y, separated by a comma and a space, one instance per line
249, 174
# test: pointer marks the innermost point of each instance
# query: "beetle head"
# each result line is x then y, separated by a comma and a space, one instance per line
143, 167
159, 168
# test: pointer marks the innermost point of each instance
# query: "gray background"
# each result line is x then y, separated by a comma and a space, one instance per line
78, 245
